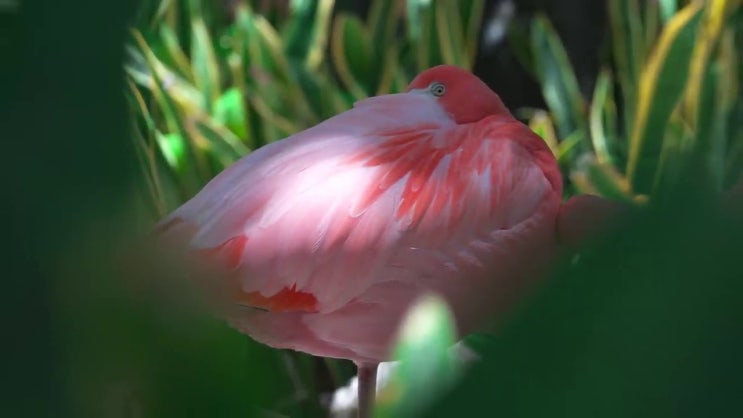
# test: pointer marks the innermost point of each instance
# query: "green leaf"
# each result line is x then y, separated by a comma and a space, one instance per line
306, 33
383, 22
660, 87
555, 73
567, 148
319, 41
451, 37
173, 148
628, 51
710, 142
177, 56
350, 48
219, 142
230, 111
424, 40
204, 64
148, 71
472, 14
712, 23
643, 324
542, 125
603, 123
592, 177
263, 47
425, 368
414, 10
668, 8
651, 23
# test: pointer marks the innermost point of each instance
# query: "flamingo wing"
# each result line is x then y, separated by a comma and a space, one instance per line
291, 221
309, 223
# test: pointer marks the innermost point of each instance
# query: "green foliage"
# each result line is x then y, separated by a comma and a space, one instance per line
645, 324
676, 74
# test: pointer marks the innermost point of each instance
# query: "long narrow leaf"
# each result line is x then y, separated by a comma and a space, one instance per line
559, 84
660, 87
603, 124
204, 64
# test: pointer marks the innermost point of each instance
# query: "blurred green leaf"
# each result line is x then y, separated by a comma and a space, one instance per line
451, 36
472, 15
713, 19
600, 179
628, 52
668, 9
651, 22
177, 56
319, 41
556, 76
568, 147
383, 22
425, 44
643, 325
173, 147
414, 14
603, 119
542, 125
660, 88
147, 71
351, 49
222, 143
204, 64
230, 111
424, 367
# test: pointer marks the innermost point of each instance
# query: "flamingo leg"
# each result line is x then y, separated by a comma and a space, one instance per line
367, 375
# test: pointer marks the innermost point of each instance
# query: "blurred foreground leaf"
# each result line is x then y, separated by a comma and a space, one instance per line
647, 324
424, 368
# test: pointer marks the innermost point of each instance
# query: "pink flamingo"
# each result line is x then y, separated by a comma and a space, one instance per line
326, 237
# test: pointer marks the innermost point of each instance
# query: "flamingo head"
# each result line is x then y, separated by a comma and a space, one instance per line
462, 95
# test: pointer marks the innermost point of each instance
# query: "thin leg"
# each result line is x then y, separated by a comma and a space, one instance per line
367, 388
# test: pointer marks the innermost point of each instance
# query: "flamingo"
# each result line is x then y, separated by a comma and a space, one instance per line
325, 238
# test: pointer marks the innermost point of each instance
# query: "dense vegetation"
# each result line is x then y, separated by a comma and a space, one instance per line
116, 117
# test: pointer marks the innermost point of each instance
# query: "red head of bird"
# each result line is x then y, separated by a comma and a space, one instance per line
464, 96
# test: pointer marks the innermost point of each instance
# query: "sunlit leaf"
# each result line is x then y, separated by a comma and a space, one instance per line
603, 123
229, 110
173, 148
542, 125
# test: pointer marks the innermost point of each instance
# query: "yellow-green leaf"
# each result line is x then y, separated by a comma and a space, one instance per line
660, 87
712, 22
542, 125
603, 114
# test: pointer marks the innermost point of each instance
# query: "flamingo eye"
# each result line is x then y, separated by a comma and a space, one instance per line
437, 89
